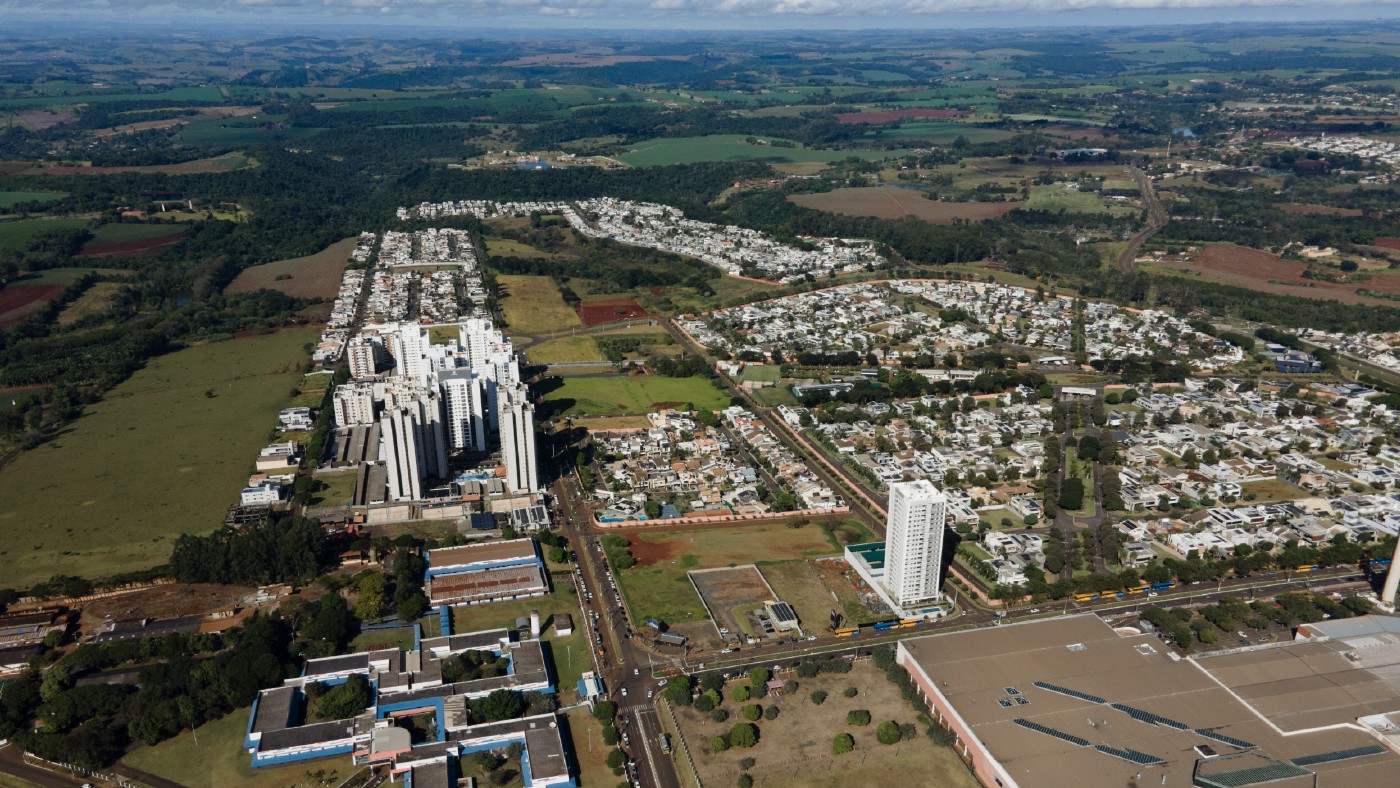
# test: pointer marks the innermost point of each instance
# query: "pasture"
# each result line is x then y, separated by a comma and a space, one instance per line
14, 236
314, 276
733, 147
888, 202
10, 199
533, 305
155, 459
618, 395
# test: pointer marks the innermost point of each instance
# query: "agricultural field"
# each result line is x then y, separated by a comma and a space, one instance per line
213, 757
14, 235
314, 276
733, 147
227, 162
10, 199
564, 350
533, 305
794, 749
889, 202
110, 494
941, 133
1055, 198
19, 301
1258, 270
130, 239
617, 395
94, 302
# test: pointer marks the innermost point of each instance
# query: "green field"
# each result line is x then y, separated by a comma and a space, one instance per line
732, 147
156, 458
66, 276
88, 96
622, 394
1055, 198
942, 132
218, 759
533, 305
764, 373
8, 199
660, 592
570, 654
565, 349
14, 235
241, 131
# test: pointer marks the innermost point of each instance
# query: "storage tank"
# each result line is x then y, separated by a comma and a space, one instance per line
534, 623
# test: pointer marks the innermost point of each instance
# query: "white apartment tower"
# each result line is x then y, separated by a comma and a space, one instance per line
914, 541
363, 355
413, 445
354, 404
464, 399
517, 419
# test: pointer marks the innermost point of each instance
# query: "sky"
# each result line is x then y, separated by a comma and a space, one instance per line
682, 15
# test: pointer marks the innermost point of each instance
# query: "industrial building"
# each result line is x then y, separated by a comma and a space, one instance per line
488, 572
1073, 701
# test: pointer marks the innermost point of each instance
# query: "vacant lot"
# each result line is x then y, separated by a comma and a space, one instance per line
565, 349
155, 459
888, 202
314, 276
533, 305
714, 547
607, 310
731, 594
1251, 268
633, 395
800, 584
218, 759
795, 748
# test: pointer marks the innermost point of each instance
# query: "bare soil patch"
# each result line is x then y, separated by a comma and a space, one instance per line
888, 202
1309, 209
1269, 273
730, 594
20, 301
137, 248
313, 276
39, 119
1388, 243
609, 310
891, 116
167, 601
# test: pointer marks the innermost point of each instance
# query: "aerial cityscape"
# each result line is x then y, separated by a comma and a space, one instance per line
699, 394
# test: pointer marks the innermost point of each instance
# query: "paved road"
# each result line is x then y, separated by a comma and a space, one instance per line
1156, 219
12, 763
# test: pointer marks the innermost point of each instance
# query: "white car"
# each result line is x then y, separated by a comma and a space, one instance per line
624, 692
636, 671
1151, 593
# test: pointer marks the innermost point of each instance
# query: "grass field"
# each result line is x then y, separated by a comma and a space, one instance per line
8, 199
942, 132
661, 592
155, 459
892, 203
589, 751
618, 395
765, 373
565, 349
219, 760
93, 302
533, 305
313, 276
732, 147
1273, 490
507, 247
339, 488
1055, 198
570, 654
66, 276
14, 235
117, 232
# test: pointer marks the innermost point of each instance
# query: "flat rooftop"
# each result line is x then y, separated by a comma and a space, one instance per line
486, 584
485, 552
1023, 688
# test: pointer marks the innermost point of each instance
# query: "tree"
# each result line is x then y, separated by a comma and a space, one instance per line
719, 744
745, 781
744, 735
770, 713
719, 715
741, 693
346, 700
752, 712
818, 697
858, 717
711, 682
605, 711
412, 607
842, 744
333, 623
1072, 493
888, 732
501, 704
704, 703
679, 690
616, 759
850, 692
758, 677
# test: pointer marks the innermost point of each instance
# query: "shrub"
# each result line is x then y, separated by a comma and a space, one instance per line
741, 693
843, 743
850, 692
807, 669
818, 697
719, 715
746, 763
719, 744
704, 704
745, 781
743, 735
752, 712
770, 713
857, 717
888, 732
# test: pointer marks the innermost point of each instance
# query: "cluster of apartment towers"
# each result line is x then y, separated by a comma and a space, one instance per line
430, 400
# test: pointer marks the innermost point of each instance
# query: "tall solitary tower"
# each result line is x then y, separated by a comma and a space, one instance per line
914, 541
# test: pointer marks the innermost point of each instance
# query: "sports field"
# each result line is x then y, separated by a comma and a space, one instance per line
156, 458
313, 276
533, 305
616, 395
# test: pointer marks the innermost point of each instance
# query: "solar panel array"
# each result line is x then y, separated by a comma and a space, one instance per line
1220, 737
1129, 755
1150, 718
1338, 755
1071, 693
1061, 735
1253, 775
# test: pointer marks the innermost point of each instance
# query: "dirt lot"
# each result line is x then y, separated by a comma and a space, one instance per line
887, 202
314, 276
795, 748
20, 301
1308, 209
901, 114
609, 310
137, 248
731, 594
1268, 273
802, 585
40, 119
168, 601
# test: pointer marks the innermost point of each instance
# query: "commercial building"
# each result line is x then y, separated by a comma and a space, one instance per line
1073, 701
517, 419
914, 542
478, 574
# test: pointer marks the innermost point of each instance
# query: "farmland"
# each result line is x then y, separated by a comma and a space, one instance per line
1258, 270
107, 495
533, 305
887, 202
617, 395
130, 239
20, 301
10, 199
732, 147
1056, 198
313, 276
14, 235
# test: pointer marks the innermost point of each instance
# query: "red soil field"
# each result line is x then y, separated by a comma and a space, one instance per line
20, 301
887, 202
648, 553
1388, 243
594, 313
1268, 273
891, 116
137, 248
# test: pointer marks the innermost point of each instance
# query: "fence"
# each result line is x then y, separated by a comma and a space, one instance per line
720, 519
681, 743
70, 601
79, 771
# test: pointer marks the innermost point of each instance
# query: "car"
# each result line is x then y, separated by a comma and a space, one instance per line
1035, 610
651, 694
661, 683
624, 692
636, 671
1151, 594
